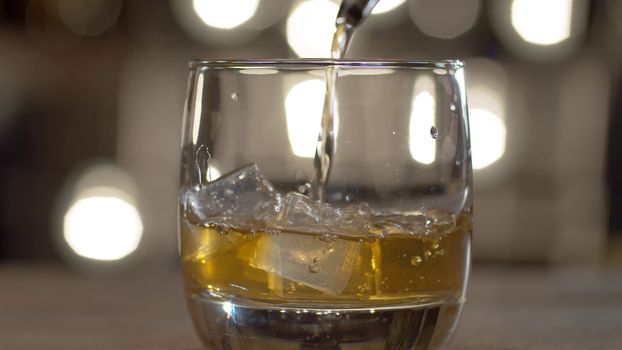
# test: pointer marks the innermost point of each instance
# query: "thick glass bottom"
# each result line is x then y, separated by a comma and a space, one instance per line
247, 325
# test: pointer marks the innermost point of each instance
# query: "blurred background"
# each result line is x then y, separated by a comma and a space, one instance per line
92, 92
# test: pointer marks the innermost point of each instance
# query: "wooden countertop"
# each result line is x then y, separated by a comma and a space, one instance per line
51, 307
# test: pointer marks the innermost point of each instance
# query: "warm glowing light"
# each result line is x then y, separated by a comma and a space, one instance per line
310, 28
102, 227
487, 94
487, 137
386, 6
542, 22
303, 105
422, 144
225, 14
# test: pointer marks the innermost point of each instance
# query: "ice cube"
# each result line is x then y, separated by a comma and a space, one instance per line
311, 248
299, 213
325, 265
242, 199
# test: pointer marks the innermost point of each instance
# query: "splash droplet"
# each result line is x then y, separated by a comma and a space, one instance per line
234, 96
433, 132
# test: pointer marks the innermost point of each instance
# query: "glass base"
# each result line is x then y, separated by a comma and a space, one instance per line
244, 325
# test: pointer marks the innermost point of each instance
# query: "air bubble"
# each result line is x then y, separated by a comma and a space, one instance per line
273, 231
304, 188
435, 245
223, 230
328, 237
452, 107
234, 96
416, 260
314, 267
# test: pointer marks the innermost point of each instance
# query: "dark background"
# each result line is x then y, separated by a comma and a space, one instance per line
111, 92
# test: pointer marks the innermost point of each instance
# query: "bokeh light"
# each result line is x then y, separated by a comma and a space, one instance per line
422, 145
303, 105
385, 6
225, 14
45, 27
102, 225
310, 27
444, 19
100, 220
487, 137
221, 23
542, 22
487, 95
91, 17
614, 13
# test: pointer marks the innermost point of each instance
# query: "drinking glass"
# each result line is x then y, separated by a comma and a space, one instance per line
382, 261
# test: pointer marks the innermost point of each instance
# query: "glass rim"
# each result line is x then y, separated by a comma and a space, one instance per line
322, 63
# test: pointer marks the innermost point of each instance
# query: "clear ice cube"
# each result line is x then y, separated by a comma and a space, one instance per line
304, 246
309, 249
242, 199
312, 260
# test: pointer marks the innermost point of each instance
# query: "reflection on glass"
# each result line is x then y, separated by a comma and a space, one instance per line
422, 145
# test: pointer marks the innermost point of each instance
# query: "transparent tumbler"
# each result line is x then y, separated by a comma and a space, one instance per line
381, 262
